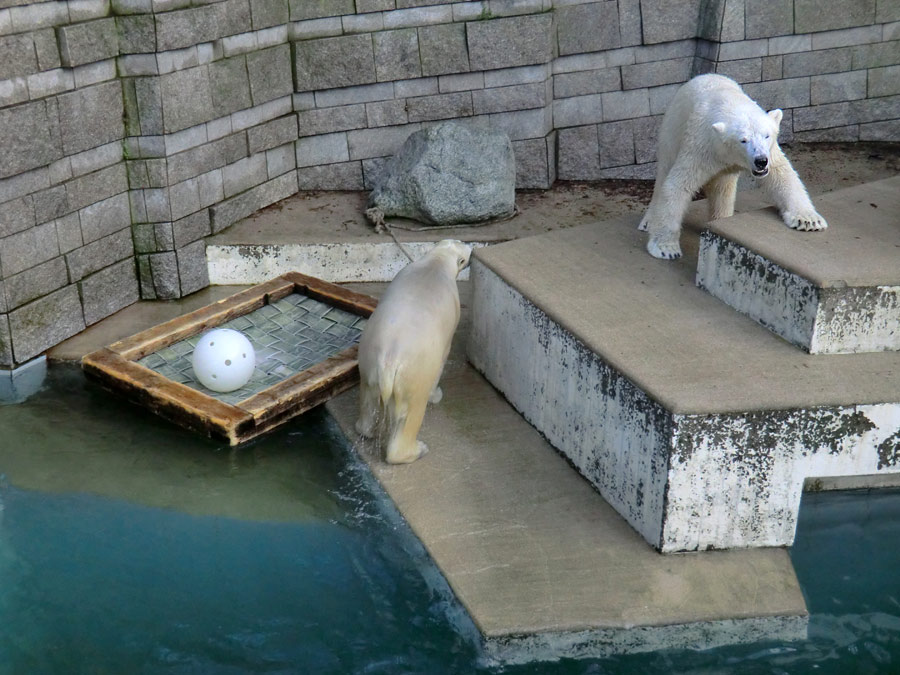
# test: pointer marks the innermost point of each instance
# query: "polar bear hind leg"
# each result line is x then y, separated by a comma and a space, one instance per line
404, 421
369, 410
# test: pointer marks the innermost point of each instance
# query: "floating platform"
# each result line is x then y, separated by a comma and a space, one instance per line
697, 424
304, 331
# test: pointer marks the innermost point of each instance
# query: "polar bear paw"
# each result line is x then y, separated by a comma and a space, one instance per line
664, 250
642, 226
805, 221
436, 395
364, 428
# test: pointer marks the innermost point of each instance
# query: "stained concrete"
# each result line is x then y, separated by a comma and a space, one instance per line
544, 565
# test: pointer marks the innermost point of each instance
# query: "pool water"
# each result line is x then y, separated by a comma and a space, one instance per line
130, 546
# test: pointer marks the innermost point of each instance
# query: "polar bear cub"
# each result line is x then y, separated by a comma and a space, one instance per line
710, 133
404, 347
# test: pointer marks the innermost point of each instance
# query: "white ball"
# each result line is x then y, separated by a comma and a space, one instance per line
223, 360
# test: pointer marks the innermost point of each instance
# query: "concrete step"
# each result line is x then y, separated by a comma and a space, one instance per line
832, 292
694, 422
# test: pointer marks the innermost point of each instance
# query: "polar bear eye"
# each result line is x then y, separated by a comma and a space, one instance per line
743, 140
460, 261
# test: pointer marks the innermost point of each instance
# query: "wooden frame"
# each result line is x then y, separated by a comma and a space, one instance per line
115, 366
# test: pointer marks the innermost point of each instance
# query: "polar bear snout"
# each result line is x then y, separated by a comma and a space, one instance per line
760, 165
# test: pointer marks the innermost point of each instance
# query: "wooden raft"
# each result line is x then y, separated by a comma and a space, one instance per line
116, 368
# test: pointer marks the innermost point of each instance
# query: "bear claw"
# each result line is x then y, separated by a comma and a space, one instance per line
664, 251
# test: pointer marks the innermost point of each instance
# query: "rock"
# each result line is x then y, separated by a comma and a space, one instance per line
447, 174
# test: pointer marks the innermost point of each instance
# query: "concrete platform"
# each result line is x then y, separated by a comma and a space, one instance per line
695, 423
543, 565
837, 293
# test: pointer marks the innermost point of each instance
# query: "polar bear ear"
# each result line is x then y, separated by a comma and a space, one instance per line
776, 116
720, 127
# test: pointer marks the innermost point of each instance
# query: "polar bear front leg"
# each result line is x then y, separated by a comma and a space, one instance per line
784, 187
664, 218
721, 191
403, 446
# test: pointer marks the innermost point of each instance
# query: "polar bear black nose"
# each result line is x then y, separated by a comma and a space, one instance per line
760, 162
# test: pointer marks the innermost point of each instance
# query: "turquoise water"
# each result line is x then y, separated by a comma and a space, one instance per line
129, 546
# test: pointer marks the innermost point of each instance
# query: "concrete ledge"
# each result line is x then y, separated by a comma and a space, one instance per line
838, 292
544, 566
696, 424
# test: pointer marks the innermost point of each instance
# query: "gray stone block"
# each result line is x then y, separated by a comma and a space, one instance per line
424, 86
742, 70
711, 19
578, 153
440, 107
888, 131
532, 165
657, 73
68, 232
96, 186
6, 355
186, 27
164, 275
772, 67
769, 18
28, 248
586, 82
823, 116
186, 98
35, 282
883, 81
281, 160
184, 198
848, 37
229, 86
99, 254
29, 138
50, 204
145, 277
163, 237
314, 9
509, 42
506, 77
630, 22
362, 23
380, 142
231, 210
137, 34
810, 16
746, 49
231, 17
646, 135
590, 27
272, 134
238, 177
787, 93
876, 109
841, 87
270, 73
362, 94
88, 42
522, 124
46, 322
669, 20
502, 99
143, 101
105, 217
385, 114
460, 82
847, 134
267, 13
327, 63
190, 229
331, 120
374, 5
192, 267
17, 56
25, 183
211, 187
109, 291
616, 144
620, 105
418, 16
17, 215
790, 44
876, 55
397, 55
819, 62
323, 149
443, 49
144, 238
345, 176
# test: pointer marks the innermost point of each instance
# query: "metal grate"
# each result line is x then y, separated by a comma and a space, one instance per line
288, 336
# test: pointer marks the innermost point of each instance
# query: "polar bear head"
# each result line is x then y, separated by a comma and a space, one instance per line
454, 250
748, 138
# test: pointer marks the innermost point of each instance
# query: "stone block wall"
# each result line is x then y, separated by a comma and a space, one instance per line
132, 129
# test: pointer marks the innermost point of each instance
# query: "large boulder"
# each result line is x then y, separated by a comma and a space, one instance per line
447, 174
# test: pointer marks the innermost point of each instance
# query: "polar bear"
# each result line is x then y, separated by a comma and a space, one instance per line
710, 133
404, 347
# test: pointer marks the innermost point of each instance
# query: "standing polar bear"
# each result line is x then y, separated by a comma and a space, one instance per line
404, 347
710, 133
